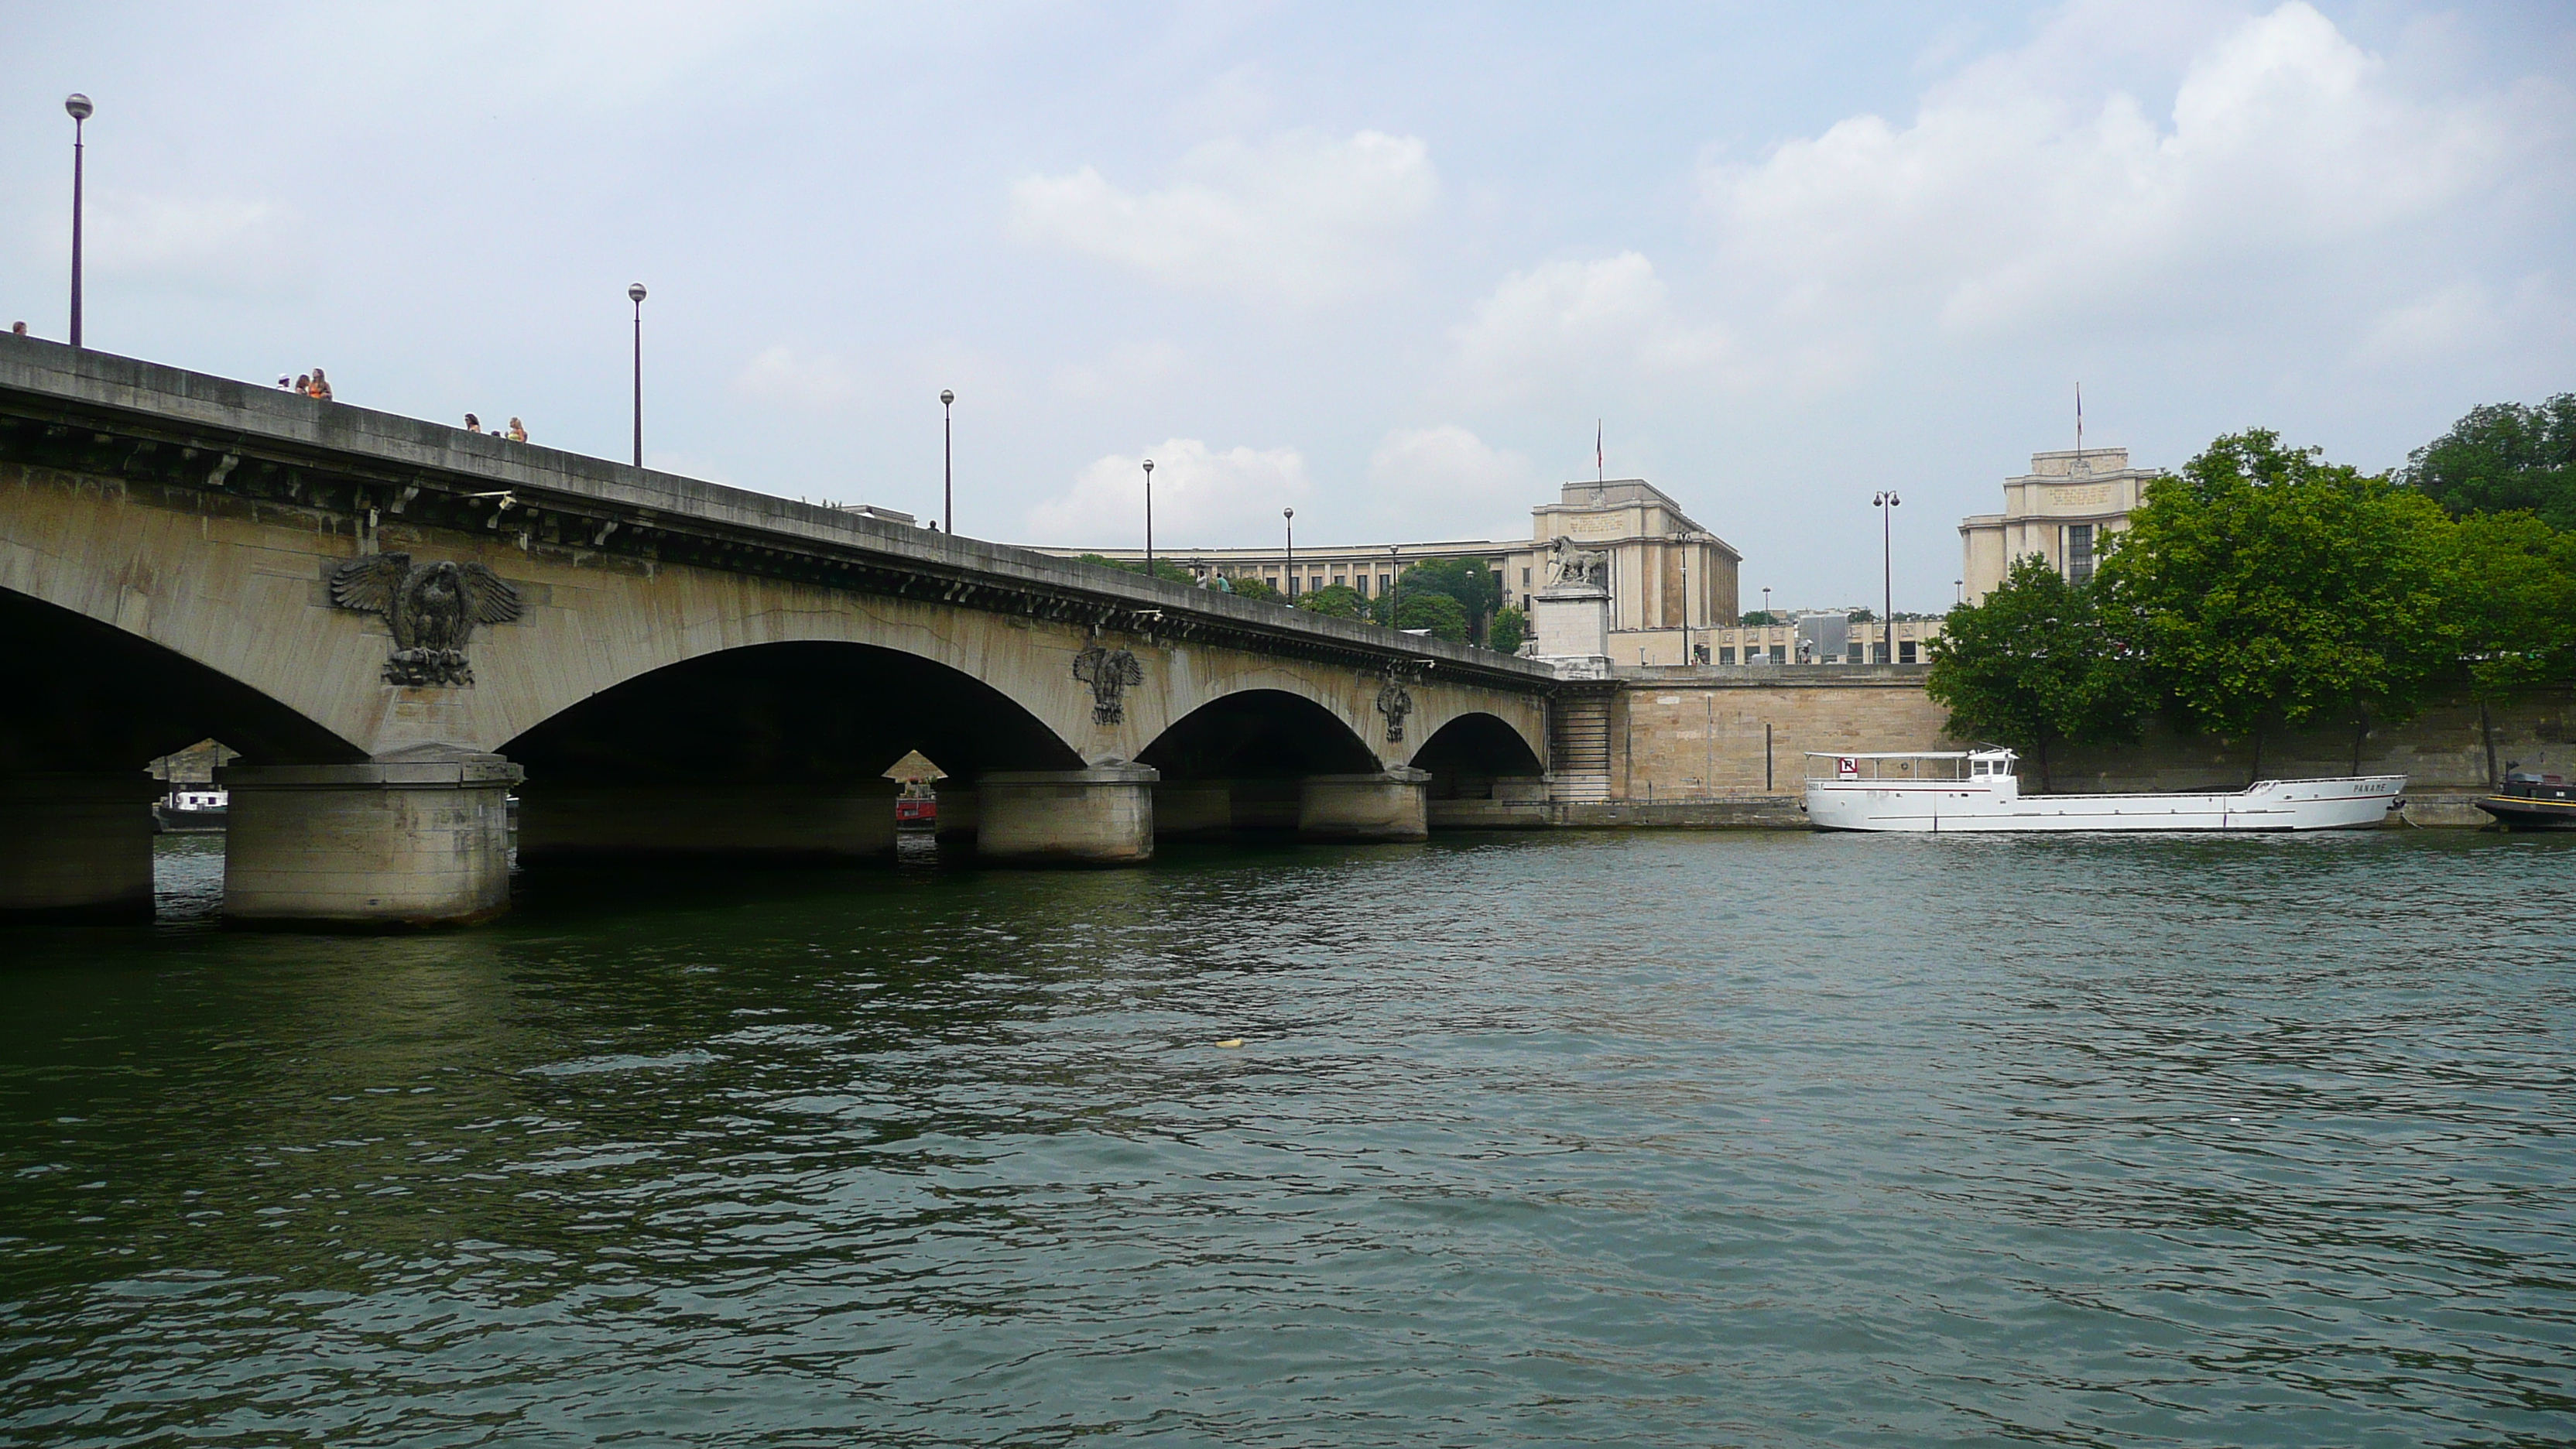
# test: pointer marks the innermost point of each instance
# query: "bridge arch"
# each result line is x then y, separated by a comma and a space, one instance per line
1259, 734
91, 696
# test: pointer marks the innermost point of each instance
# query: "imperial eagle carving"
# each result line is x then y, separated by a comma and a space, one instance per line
432, 609
1109, 672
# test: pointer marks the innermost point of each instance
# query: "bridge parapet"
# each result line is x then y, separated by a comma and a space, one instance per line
100, 414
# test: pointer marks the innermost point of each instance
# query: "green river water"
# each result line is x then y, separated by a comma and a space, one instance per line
1658, 1139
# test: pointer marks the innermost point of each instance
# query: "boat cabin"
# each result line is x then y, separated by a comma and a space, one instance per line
1983, 767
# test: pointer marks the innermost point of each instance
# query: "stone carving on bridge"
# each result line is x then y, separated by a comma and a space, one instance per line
1395, 702
1109, 672
1567, 564
432, 609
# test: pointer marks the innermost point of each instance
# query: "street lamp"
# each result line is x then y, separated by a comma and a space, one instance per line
1886, 503
1291, 515
79, 108
948, 463
635, 293
1149, 518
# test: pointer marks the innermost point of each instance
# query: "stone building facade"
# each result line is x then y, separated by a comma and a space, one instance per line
2060, 510
1671, 580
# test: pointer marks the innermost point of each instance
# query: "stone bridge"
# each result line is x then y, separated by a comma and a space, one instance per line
399, 624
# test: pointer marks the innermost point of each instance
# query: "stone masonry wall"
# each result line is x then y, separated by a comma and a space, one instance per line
1682, 734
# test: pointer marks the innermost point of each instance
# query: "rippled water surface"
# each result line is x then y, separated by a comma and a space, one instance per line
1635, 1139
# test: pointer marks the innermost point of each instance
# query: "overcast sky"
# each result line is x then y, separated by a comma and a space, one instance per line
1384, 263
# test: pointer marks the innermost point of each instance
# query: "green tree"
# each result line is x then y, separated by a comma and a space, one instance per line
2269, 588
1247, 587
1509, 631
1335, 601
1756, 618
1438, 613
1164, 568
2033, 665
2513, 583
2503, 457
1466, 581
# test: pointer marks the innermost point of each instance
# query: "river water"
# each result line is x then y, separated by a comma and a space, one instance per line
1620, 1138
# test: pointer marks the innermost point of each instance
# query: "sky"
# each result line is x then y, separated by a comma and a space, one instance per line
1390, 266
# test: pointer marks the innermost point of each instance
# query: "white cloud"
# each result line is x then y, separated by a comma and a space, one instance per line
1543, 328
227, 241
811, 380
1299, 218
2020, 199
1203, 498
1446, 482
1121, 371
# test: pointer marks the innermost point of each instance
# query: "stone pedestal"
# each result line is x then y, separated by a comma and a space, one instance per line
840, 823
1193, 810
420, 838
1389, 806
1103, 815
76, 848
1570, 621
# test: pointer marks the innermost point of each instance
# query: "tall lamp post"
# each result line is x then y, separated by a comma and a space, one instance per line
947, 463
1149, 518
1291, 515
635, 294
1885, 503
79, 108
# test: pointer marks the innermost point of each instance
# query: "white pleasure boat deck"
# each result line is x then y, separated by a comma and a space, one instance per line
1976, 790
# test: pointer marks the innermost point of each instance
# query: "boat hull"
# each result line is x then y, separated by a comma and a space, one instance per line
2520, 812
1948, 807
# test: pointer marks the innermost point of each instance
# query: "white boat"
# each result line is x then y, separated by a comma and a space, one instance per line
1966, 790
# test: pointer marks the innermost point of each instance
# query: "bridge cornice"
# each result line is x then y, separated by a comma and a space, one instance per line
146, 424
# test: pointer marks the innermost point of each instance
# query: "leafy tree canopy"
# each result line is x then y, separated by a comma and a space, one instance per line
2269, 587
1757, 618
1438, 613
2502, 457
1466, 580
1246, 587
2514, 583
1164, 568
1335, 601
1509, 631
2034, 665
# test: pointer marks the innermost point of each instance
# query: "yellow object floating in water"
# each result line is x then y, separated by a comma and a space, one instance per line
1232, 1041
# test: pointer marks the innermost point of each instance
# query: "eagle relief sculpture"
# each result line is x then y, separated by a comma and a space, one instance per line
1109, 672
432, 609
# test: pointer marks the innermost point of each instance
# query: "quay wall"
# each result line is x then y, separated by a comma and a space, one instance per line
1695, 747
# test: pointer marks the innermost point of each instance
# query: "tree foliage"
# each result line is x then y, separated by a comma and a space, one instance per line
1751, 618
1467, 582
1335, 601
1164, 568
2034, 665
1509, 631
1438, 613
2504, 457
2514, 583
2269, 588
1247, 587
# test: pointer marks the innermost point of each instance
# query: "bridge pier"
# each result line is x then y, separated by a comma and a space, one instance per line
1394, 805
77, 847
419, 838
1103, 815
842, 822
1193, 810
959, 810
